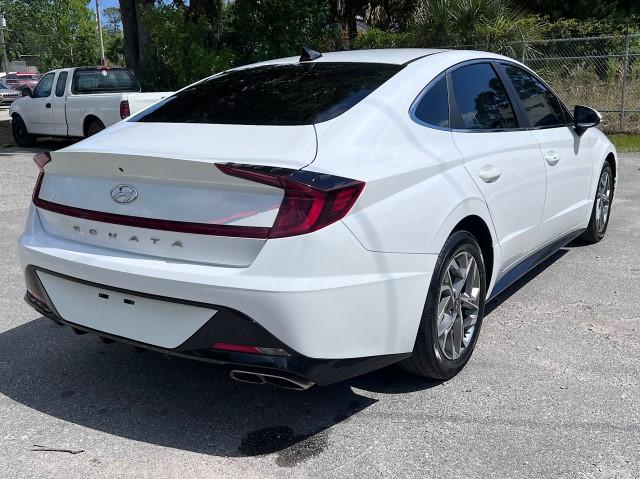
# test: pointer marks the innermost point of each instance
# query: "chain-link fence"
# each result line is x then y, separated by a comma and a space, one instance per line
602, 72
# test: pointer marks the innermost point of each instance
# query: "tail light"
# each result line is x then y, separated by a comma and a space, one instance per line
40, 159
124, 109
311, 200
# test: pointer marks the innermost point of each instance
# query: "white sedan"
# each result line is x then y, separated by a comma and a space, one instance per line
305, 220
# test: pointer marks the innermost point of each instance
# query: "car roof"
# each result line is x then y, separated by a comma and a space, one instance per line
394, 56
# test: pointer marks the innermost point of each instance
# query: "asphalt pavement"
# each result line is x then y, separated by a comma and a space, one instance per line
552, 390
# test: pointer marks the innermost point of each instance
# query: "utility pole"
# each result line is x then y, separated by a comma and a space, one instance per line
5, 62
103, 61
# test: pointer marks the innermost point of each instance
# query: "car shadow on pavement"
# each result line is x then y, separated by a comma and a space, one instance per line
181, 404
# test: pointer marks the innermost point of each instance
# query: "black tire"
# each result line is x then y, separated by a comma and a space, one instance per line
596, 230
94, 127
428, 359
21, 135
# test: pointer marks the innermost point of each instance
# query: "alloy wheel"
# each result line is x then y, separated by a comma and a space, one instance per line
603, 200
458, 304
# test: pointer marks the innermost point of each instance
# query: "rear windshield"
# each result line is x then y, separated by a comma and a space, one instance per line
291, 94
98, 80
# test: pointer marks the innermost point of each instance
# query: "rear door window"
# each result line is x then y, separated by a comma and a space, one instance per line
542, 107
103, 80
480, 99
289, 94
433, 108
61, 83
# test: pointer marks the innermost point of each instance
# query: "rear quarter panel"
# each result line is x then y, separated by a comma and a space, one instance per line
417, 188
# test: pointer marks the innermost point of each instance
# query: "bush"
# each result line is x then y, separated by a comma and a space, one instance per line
376, 38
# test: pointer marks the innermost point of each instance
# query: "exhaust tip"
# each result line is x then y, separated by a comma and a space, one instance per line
282, 382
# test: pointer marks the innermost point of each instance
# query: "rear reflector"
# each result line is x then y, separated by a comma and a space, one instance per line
311, 200
124, 109
241, 348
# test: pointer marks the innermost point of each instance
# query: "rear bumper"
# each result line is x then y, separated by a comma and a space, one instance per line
322, 295
229, 326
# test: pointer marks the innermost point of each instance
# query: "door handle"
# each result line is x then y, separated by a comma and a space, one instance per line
552, 158
489, 173
48, 105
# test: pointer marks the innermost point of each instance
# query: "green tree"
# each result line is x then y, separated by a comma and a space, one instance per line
263, 29
471, 22
61, 34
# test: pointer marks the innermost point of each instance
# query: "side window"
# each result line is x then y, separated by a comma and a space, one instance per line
44, 86
480, 99
541, 106
61, 83
433, 108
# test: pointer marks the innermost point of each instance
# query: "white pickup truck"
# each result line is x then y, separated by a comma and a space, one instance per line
78, 102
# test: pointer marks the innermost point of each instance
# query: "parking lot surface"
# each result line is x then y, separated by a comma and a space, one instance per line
552, 390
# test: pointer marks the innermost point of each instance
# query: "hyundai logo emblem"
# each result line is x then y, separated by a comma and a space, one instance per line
124, 194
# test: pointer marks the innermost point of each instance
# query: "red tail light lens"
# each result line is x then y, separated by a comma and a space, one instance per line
124, 109
40, 159
311, 200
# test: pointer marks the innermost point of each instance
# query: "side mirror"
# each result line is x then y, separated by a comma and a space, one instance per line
585, 118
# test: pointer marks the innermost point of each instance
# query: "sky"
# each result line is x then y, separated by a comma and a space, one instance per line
105, 4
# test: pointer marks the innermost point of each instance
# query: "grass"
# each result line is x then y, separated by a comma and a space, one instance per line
626, 143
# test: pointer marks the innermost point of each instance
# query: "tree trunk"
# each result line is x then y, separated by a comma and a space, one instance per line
137, 43
210, 9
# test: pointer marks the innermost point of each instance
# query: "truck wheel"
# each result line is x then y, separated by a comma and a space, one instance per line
94, 127
21, 135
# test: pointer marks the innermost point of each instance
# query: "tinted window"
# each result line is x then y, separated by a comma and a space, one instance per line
43, 88
433, 108
291, 94
103, 80
481, 99
61, 83
540, 105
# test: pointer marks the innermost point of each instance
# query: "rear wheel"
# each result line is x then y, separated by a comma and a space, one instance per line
453, 312
601, 207
21, 135
94, 127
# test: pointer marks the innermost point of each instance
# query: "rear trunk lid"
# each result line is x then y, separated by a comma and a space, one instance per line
154, 189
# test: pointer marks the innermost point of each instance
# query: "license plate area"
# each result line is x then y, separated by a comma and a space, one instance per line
165, 324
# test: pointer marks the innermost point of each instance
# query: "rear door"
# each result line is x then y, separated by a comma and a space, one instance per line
502, 157
566, 156
39, 106
58, 103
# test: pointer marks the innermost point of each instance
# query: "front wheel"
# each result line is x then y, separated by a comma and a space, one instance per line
453, 311
601, 207
21, 135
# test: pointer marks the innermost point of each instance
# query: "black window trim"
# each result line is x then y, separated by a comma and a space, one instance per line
523, 121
